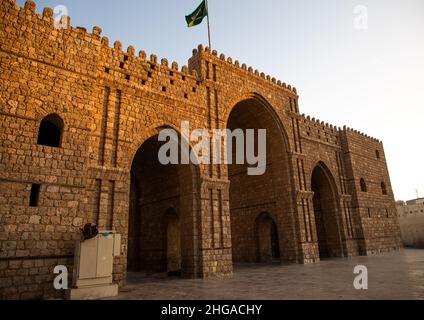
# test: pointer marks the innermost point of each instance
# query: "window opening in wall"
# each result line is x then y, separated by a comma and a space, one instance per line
50, 131
34, 195
363, 186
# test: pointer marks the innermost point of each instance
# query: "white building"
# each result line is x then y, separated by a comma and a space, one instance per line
411, 218
410, 207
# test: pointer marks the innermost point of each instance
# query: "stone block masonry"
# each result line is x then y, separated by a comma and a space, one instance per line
78, 144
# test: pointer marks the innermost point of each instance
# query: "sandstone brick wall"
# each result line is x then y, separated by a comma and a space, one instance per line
375, 209
112, 103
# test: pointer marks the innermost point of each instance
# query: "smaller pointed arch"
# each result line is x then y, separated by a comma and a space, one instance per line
326, 212
267, 238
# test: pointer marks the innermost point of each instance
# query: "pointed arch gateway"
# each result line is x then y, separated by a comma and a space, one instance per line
271, 192
326, 212
163, 199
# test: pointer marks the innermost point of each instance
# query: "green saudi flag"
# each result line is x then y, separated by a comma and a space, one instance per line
197, 16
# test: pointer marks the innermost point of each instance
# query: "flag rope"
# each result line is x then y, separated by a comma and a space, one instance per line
209, 27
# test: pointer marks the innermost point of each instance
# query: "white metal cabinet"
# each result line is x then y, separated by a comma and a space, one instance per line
94, 260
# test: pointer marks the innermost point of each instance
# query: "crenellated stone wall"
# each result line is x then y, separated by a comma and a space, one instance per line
113, 104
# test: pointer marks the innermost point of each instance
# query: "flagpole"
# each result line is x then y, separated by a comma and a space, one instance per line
209, 26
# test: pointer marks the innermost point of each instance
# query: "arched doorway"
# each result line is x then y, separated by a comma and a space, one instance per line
326, 213
269, 192
162, 198
268, 245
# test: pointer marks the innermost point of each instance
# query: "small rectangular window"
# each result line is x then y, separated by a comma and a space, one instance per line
34, 196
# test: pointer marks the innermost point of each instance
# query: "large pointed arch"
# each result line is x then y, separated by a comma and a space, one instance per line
264, 104
155, 189
270, 192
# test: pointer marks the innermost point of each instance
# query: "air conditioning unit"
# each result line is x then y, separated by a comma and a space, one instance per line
93, 267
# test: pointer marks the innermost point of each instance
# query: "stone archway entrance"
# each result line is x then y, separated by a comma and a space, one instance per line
326, 214
268, 245
162, 199
269, 192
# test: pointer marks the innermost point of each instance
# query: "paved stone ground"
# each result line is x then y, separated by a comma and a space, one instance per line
391, 276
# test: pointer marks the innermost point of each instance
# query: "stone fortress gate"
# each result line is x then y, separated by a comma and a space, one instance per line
79, 143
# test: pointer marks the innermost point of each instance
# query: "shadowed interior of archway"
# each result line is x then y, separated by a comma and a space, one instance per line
159, 206
325, 209
252, 195
267, 239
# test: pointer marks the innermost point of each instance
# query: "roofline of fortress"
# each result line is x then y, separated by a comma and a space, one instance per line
117, 46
